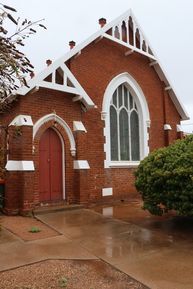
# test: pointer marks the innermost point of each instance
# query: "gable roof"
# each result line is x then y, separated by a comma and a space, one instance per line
47, 79
125, 24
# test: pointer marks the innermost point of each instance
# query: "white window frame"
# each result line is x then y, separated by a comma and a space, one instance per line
143, 114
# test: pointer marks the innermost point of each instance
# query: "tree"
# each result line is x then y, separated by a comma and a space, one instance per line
165, 179
14, 65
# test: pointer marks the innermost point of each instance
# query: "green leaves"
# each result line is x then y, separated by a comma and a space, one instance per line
165, 179
34, 230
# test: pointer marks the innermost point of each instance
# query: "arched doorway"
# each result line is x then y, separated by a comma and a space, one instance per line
50, 167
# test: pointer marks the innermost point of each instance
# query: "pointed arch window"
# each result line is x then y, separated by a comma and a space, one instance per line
124, 126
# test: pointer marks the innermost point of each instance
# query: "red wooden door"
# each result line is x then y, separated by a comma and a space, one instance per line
50, 166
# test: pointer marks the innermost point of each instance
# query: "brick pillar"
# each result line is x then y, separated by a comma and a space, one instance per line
84, 186
81, 166
20, 169
13, 189
81, 188
180, 134
167, 131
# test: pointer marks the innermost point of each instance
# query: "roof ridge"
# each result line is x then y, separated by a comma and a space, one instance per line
117, 23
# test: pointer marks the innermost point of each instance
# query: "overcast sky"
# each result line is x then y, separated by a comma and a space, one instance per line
168, 25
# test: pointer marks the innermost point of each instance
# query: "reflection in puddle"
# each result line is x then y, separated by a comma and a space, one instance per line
169, 227
107, 212
146, 235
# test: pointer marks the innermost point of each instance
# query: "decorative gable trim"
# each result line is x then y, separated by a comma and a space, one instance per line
105, 32
123, 36
126, 32
67, 83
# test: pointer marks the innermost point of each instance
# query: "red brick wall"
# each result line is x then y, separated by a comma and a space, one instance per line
97, 65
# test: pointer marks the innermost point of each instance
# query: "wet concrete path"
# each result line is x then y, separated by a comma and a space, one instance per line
156, 251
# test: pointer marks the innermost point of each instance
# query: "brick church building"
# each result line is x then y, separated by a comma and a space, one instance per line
80, 129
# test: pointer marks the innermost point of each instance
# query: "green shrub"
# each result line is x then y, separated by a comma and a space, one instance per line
165, 179
34, 230
1, 201
63, 282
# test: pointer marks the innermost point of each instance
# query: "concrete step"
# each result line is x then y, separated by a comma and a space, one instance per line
56, 208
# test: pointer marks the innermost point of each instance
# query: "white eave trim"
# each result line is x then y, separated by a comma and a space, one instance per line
99, 34
128, 46
39, 81
159, 68
179, 106
171, 91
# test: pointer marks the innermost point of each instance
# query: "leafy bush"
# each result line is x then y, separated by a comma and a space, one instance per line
165, 179
1, 200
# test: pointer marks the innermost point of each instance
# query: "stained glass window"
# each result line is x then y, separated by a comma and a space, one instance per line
134, 124
114, 134
124, 126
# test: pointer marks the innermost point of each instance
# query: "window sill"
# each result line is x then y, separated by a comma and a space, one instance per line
124, 164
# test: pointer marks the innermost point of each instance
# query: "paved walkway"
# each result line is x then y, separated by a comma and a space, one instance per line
139, 252
15, 252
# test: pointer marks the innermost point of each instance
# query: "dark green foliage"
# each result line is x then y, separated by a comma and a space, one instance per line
1, 201
165, 179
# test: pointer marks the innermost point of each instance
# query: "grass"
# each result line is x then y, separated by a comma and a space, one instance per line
34, 230
63, 282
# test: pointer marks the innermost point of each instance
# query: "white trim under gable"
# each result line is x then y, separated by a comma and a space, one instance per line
98, 35
39, 81
144, 118
164, 77
129, 46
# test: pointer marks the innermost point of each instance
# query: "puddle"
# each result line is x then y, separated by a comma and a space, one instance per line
172, 227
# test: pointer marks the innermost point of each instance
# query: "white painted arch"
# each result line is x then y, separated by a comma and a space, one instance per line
60, 121
144, 117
